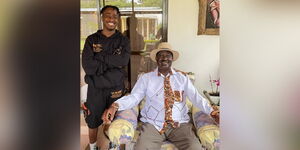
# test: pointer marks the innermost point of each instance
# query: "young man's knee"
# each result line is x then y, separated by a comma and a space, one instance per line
93, 121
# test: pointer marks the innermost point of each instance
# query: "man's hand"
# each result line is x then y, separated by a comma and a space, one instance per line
109, 113
216, 114
99, 56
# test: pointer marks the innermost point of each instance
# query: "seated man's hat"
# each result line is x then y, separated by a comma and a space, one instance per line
164, 46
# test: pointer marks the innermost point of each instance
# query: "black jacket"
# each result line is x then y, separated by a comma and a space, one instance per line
104, 58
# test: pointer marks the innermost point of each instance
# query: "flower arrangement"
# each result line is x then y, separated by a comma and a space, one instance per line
216, 84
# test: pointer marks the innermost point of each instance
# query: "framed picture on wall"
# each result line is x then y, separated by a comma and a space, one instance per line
209, 17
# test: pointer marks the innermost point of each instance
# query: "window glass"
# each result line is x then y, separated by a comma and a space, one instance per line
88, 19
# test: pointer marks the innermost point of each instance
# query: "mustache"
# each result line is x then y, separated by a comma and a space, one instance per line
164, 60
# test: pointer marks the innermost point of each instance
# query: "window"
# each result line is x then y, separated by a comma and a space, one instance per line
89, 22
151, 18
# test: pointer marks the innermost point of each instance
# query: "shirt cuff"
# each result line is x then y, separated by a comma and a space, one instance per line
121, 107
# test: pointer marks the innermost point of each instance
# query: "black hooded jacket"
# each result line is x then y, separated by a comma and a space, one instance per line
104, 59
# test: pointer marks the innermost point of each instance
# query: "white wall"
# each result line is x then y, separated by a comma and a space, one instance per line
198, 54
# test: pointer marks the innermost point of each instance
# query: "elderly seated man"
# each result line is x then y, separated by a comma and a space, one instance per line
165, 114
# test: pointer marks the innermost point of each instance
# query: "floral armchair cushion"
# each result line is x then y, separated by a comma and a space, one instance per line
207, 129
122, 129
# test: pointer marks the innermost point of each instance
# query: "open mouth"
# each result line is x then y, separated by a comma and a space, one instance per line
164, 63
111, 24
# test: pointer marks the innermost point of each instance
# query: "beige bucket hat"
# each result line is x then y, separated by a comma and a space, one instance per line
164, 46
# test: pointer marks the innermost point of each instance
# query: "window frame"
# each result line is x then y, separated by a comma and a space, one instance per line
164, 13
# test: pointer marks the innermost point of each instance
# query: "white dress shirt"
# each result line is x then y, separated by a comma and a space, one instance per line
151, 86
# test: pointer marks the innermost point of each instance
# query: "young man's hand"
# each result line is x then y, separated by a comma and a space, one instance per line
109, 113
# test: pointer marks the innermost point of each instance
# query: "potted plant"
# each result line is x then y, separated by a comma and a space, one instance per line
215, 93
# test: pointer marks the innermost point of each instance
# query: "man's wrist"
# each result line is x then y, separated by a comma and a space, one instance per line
115, 106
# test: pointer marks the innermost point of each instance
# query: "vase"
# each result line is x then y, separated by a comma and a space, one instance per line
215, 99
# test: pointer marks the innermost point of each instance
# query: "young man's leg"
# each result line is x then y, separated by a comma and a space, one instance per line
96, 101
184, 137
93, 135
149, 139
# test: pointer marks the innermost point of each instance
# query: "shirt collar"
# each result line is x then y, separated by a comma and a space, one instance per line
172, 72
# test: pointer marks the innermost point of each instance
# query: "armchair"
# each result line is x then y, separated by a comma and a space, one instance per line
125, 128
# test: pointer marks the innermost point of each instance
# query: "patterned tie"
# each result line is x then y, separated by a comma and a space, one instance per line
169, 102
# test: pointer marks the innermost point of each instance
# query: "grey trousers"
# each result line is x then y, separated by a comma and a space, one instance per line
183, 137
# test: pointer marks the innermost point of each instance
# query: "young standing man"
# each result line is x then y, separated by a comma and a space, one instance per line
104, 57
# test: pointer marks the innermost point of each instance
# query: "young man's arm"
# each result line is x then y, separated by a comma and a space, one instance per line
91, 62
121, 57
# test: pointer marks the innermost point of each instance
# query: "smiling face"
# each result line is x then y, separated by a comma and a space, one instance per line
110, 19
164, 60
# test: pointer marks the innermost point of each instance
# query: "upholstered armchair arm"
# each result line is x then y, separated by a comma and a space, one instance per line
207, 130
122, 129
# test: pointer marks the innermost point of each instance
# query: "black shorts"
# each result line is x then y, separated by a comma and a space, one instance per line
97, 101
